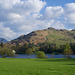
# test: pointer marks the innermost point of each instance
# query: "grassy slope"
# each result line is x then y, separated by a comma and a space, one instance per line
60, 37
10, 66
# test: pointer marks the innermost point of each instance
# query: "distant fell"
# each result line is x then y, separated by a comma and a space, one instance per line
3, 40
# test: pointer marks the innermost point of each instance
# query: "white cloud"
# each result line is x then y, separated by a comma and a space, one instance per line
52, 17
58, 25
53, 12
14, 16
19, 17
8, 4
28, 6
6, 32
70, 7
70, 14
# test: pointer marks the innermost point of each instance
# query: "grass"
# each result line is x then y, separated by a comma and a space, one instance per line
13, 66
60, 38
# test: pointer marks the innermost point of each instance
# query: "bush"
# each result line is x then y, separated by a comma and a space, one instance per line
40, 54
5, 52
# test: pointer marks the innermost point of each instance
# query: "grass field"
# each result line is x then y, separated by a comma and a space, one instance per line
13, 66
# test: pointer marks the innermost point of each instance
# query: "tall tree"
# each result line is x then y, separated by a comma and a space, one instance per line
67, 50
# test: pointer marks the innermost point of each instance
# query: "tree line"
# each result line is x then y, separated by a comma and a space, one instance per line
39, 49
47, 48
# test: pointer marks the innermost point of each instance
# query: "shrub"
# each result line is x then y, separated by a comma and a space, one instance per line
40, 54
5, 52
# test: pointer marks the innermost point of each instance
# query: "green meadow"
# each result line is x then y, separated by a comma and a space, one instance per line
17, 66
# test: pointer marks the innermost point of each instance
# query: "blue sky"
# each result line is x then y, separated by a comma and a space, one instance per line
58, 2
18, 17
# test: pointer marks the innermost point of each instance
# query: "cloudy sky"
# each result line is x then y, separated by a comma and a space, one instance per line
18, 17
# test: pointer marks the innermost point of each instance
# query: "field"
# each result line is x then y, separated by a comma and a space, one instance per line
13, 66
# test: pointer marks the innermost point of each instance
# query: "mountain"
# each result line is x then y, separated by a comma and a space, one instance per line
50, 35
4, 40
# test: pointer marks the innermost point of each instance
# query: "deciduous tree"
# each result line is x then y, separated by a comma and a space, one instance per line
29, 52
67, 50
5, 52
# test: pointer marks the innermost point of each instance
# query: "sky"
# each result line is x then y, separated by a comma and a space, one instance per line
20, 17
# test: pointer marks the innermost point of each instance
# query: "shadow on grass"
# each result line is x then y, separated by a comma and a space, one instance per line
70, 64
56, 60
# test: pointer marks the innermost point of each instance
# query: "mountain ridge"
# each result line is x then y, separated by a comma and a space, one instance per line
59, 36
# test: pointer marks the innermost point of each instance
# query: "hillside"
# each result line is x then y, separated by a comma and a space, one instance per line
50, 35
4, 40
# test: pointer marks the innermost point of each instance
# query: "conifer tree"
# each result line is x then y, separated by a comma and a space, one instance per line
1, 43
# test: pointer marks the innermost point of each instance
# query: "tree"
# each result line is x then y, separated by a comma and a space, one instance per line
1, 43
5, 52
67, 50
29, 52
73, 47
52, 55
40, 54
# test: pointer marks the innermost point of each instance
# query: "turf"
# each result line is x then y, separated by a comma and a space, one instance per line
14, 66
